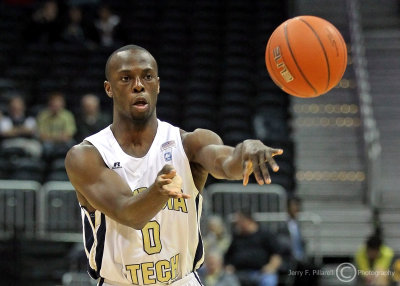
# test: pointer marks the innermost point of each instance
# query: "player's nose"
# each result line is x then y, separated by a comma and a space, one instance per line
137, 85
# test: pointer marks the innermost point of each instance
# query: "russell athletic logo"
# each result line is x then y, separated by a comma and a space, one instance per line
117, 165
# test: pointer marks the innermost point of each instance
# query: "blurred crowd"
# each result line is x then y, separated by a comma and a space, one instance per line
251, 254
87, 23
47, 134
45, 130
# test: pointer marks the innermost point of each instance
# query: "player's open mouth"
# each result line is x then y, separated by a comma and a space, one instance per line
140, 104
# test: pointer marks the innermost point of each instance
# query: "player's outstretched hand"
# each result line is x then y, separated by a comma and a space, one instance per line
255, 156
169, 183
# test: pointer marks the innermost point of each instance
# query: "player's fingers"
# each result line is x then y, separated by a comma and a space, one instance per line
184, 196
273, 164
275, 152
167, 168
247, 169
264, 170
175, 194
169, 175
161, 182
256, 169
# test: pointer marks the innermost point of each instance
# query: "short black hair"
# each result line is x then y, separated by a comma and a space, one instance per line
122, 49
293, 198
246, 212
374, 242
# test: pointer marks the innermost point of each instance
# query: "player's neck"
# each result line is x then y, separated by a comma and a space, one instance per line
135, 139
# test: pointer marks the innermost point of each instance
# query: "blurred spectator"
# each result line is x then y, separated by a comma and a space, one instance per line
396, 271
83, 2
18, 130
371, 258
91, 119
77, 30
253, 254
294, 247
45, 26
20, 3
213, 274
216, 236
56, 127
108, 26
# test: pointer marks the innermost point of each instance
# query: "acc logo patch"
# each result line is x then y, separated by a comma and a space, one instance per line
167, 156
167, 145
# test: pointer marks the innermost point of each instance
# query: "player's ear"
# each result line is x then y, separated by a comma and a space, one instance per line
107, 88
158, 79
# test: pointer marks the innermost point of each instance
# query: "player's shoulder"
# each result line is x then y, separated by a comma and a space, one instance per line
194, 140
200, 135
82, 154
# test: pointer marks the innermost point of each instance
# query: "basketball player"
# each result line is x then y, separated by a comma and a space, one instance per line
139, 182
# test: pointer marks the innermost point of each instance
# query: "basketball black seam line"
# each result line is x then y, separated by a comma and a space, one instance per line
345, 55
344, 48
294, 59
323, 49
281, 86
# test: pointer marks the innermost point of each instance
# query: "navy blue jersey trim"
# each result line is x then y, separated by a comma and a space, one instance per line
199, 250
89, 241
101, 235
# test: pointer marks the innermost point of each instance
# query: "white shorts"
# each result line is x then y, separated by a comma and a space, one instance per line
192, 279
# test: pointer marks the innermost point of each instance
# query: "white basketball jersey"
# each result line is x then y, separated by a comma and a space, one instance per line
169, 247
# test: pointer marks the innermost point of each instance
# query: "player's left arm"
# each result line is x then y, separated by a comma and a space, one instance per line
206, 148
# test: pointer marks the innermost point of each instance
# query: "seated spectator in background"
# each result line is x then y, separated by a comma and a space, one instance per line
293, 247
216, 236
77, 30
253, 254
374, 256
108, 27
19, 130
45, 26
213, 273
56, 127
91, 119
396, 271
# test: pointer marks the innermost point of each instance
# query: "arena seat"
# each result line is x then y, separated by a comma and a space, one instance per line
58, 199
18, 208
27, 168
226, 198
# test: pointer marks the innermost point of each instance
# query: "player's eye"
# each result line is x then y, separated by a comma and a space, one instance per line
125, 78
148, 77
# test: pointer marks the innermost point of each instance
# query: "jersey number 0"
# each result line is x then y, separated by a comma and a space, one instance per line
151, 237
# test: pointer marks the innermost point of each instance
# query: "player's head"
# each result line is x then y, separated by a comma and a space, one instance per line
374, 244
215, 225
245, 222
293, 206
132, 82
214, 261
123, 49
56, 102
16, 106
90, 104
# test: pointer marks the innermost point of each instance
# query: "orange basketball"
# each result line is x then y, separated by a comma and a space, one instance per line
306, 56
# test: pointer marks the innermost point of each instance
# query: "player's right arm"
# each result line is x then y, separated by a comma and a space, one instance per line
104, 190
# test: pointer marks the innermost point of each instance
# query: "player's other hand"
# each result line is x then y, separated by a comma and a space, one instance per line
255, 157
169, 183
